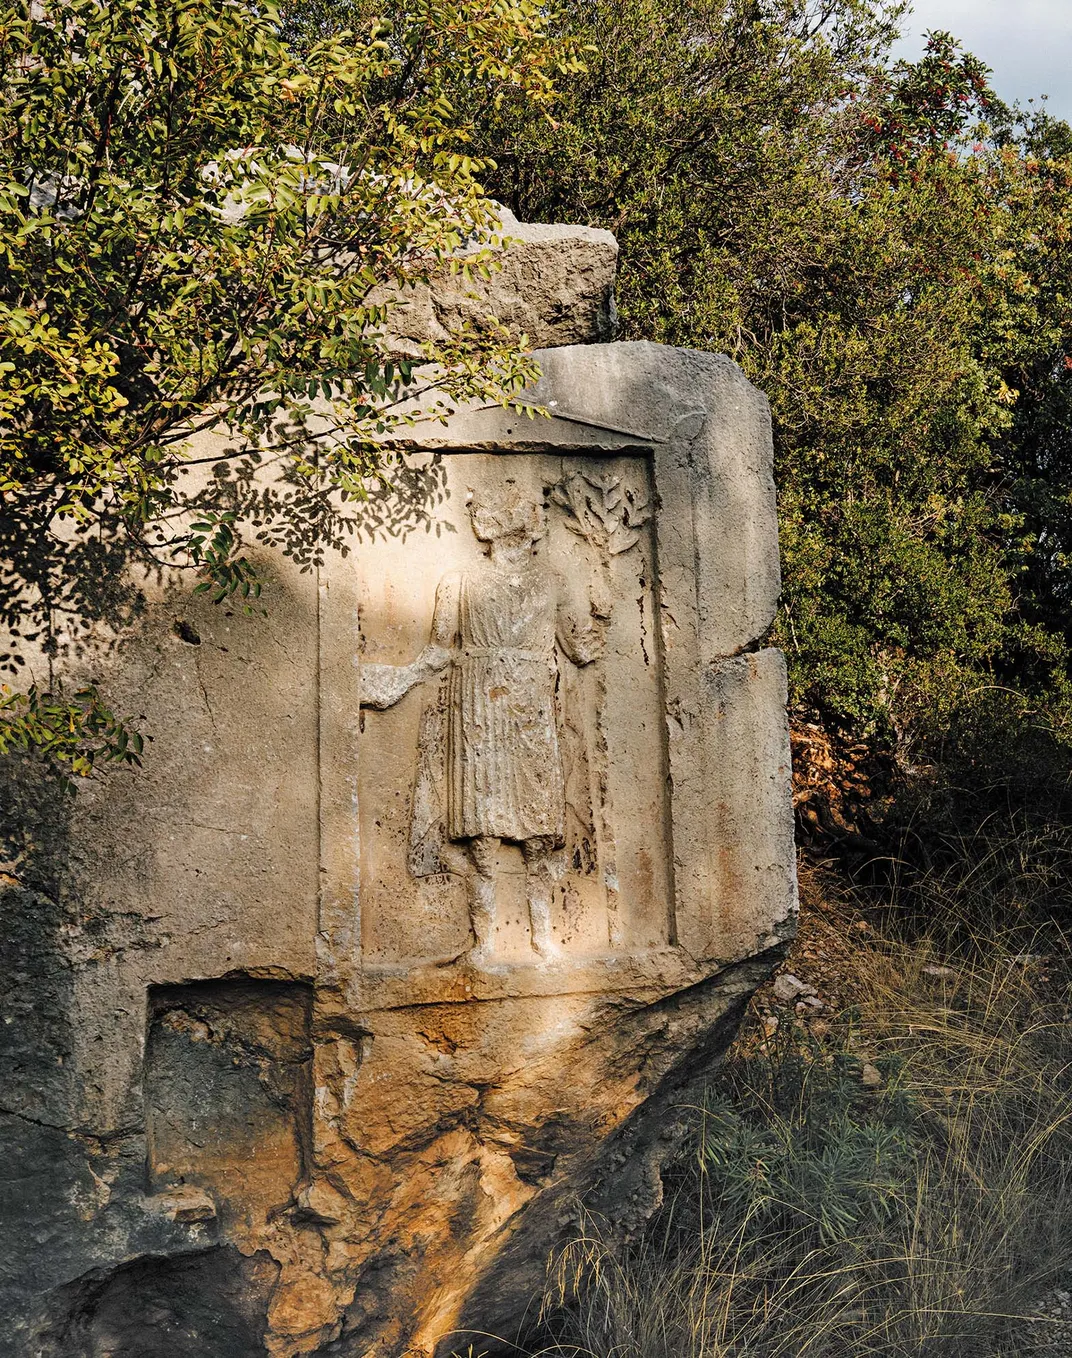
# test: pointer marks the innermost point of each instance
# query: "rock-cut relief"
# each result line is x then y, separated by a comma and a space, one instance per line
490, 765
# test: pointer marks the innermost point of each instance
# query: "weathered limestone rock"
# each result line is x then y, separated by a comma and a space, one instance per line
555, 285
442, 884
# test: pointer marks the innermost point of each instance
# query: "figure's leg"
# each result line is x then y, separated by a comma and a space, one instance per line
483, 852
540, 876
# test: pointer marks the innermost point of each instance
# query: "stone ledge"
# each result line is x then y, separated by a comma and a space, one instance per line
638, 975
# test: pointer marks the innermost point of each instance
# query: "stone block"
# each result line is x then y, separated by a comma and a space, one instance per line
553, 283
706, 429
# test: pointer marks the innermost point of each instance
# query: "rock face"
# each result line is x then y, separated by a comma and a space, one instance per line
442, 885
555, 285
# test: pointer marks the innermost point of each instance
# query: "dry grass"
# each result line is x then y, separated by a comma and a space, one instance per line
818, 1214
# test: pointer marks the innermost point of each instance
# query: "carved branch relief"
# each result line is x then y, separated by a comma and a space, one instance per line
600, 509
609, 516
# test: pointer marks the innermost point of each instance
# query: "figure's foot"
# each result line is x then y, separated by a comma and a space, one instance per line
479, 955
544, 946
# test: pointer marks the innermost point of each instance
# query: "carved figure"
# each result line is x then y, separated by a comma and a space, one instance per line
499, 629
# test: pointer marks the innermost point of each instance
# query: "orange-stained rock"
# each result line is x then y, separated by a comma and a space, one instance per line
303, 1303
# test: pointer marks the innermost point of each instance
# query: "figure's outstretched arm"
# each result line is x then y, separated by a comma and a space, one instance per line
384, 685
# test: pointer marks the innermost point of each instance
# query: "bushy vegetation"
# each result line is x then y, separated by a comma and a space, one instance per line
196, 201
884, 248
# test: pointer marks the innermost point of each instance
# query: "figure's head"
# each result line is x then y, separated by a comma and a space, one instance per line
508, 518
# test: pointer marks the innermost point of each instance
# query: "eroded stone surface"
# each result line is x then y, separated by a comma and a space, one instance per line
554, 284
707, 431
441, 886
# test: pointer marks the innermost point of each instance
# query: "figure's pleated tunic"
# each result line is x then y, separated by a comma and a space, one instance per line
503, 754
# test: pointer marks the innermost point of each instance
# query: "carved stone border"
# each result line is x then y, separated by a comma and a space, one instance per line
707, 431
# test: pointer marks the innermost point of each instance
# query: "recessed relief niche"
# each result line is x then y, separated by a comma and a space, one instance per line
228, 1092
512, 771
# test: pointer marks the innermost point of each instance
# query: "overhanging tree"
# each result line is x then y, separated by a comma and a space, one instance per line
196, 201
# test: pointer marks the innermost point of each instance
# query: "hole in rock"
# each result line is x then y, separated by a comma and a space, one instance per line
185, 632
228, 1091
210, 1303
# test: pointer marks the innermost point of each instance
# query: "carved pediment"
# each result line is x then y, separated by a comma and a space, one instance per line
490, 428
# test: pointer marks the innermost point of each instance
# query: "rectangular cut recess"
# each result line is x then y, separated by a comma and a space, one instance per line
228, 1090
612, 891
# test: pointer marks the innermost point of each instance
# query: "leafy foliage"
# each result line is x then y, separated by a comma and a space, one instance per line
204, 213
806, 1152
75, 735
896, 277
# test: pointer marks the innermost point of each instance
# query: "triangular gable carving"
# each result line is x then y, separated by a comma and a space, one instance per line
490, 428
